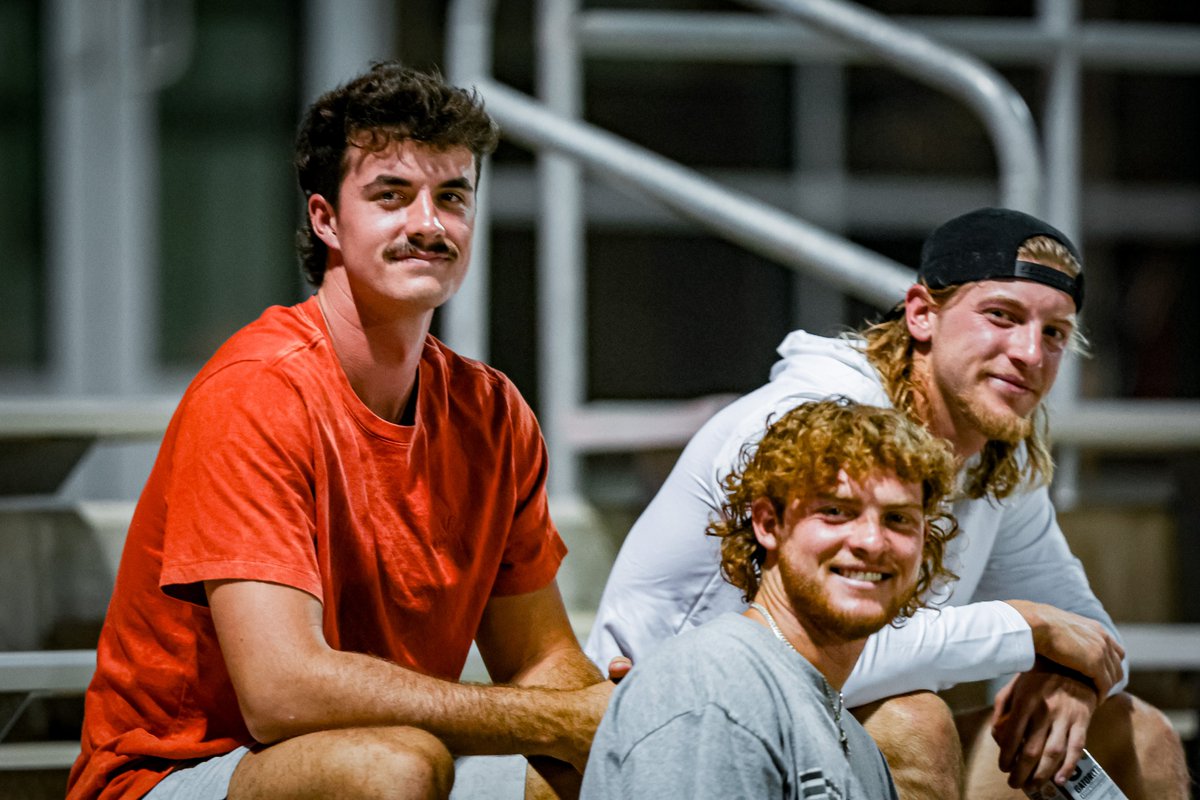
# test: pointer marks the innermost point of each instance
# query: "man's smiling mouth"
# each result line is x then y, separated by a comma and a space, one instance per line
859, 574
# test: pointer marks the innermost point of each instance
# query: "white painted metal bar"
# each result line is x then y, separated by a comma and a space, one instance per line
466, 318
46, 670
1129, 425
37, 755
1174, 646
976, 84
1063, 143
92, 417
740, 218
561, 245
720, 36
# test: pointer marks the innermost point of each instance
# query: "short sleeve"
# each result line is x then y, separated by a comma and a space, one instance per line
534, 550
240, 498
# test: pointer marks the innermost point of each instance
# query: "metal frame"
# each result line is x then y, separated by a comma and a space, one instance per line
566, 34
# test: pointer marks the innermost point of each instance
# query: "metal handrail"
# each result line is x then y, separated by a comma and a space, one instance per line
1003, 111
1121, 425
743, 37
734, 215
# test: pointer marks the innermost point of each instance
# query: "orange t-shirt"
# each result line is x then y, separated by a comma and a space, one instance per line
273, 470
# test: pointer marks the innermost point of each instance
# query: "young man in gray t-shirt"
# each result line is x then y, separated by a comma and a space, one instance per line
832, 528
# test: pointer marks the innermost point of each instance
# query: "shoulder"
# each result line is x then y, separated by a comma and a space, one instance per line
824, 366
702, 665
260, 354
469, 389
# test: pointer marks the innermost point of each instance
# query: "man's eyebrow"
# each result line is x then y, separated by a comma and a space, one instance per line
914, 506
457, 183
1003, 297
396, 180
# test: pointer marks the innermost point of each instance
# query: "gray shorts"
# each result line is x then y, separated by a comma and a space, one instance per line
475, 778
207, 780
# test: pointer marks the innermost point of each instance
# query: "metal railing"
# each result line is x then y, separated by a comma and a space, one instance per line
554, 126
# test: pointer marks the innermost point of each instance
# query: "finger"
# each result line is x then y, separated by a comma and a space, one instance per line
1028, 758
1011, 729
1054, 750
1076, 739
1002, 702
618, 668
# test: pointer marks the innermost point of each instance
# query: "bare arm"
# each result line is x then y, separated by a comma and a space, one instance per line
289, 681
527, 640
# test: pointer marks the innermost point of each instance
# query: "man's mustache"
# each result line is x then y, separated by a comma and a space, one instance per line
395, 252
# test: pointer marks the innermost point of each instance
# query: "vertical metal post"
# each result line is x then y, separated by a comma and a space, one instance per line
101, 231
101, 154
820, 182
342, 39
466, 318
561, 230
1062, 144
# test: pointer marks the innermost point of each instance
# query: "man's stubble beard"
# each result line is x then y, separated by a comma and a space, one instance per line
1007, 427
810, 604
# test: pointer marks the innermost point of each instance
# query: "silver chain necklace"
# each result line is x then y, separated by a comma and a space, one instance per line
834, 707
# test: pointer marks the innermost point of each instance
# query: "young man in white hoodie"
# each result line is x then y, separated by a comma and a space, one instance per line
970, 353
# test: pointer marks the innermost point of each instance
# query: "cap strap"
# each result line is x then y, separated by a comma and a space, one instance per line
1057, 279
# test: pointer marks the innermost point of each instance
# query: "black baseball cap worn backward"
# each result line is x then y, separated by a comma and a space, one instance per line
982, 245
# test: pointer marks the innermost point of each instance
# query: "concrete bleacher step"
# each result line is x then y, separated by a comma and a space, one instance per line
37, 755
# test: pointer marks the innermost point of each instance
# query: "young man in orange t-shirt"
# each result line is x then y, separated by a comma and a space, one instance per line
341, 504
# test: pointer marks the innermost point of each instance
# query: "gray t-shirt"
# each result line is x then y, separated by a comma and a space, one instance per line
726, 710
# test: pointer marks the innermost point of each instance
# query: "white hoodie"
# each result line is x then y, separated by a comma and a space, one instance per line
667, 576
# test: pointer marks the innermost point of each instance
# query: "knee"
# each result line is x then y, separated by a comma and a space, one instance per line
913, 728
406, 757
1142, 746
918, 736
1128, 722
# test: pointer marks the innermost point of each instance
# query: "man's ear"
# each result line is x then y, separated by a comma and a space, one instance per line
920, 312
323, 218
766, 523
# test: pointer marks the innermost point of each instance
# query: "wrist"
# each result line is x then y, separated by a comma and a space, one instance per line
1031, 613
1043, 664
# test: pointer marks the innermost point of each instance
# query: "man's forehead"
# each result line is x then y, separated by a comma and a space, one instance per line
1054, 302
847, 485
407, 156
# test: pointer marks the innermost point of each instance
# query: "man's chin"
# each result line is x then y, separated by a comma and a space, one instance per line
998, 425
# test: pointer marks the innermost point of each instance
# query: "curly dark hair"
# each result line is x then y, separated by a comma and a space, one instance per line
388, 103
802, 453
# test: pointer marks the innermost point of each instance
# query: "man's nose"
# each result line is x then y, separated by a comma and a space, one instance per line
1025, 344
866, 534
422, 219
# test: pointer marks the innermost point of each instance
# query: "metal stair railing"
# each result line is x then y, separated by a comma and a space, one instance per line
746, 220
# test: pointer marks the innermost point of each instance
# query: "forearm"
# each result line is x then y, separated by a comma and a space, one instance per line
339, 690
940, 648
564, 668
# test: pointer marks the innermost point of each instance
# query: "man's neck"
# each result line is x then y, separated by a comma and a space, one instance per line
378, 355
833, 658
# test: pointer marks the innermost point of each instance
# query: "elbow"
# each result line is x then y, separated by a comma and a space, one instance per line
265, 728
272, 716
